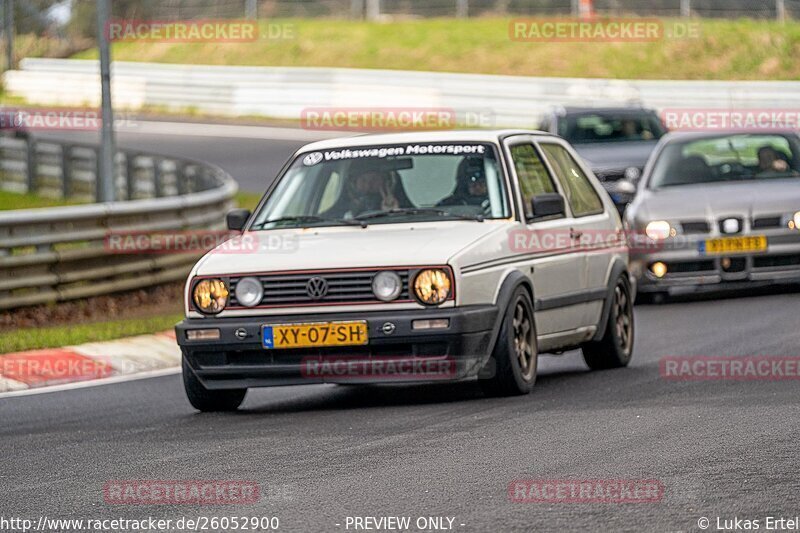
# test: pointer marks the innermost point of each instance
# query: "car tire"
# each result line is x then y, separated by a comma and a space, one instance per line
207, 400
511, 370
615, 348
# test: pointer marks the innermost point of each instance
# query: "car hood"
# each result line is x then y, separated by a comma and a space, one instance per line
715, 200
619, 155
343, 247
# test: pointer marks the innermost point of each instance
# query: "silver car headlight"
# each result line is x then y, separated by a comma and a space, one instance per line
249, 292
659, 230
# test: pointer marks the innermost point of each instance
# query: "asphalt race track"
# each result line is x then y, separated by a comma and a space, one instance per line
252, 154
322, 453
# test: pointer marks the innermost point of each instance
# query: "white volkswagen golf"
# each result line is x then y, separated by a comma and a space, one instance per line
411, 257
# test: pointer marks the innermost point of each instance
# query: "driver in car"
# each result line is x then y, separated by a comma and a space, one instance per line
470, 185
368, 189
769, 160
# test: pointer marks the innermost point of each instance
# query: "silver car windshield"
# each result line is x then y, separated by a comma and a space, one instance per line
726, 158
387, 184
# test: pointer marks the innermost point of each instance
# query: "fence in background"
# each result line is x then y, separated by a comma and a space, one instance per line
62, 253
283, 92
375, 9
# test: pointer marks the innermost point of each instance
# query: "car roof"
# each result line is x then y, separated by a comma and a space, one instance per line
576, 110
371, 139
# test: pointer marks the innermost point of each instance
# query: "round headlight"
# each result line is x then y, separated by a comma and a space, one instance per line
658, 230
795, 221
210, 295
432, 286
387, 286
249, 292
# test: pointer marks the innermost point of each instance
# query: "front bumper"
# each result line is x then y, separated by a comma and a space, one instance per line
689, 270
238, 360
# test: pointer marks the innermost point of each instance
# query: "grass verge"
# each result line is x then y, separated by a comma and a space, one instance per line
724, 50
12, 200
67, 335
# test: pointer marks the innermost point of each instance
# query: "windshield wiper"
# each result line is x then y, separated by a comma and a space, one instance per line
419, 211
309, 218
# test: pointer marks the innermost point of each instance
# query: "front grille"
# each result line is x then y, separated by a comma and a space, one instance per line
343, 287
733, 264
776, 261
686, 267
695, 226
767, 222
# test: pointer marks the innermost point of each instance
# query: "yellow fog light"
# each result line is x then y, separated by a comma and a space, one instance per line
658, 269
210, 296
432, 286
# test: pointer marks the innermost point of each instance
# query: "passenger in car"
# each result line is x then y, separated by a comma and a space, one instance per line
770, 160
470, 185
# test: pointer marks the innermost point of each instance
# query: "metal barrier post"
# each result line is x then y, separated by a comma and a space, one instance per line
31, 164
66, 171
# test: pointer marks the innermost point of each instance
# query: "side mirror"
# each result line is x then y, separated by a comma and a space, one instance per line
548, 205
237, 218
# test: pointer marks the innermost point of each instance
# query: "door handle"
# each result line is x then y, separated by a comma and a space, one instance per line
575, 234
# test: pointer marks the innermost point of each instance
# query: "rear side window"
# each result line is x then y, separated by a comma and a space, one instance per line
582, 197
532, 174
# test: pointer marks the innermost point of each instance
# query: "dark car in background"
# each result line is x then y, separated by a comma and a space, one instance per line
614, 141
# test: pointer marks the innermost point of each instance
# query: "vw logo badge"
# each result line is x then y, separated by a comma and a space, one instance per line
730, 225
388, 328
317, 288
312, 159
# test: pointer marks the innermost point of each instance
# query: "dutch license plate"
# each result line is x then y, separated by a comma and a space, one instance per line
734, 245
313, 335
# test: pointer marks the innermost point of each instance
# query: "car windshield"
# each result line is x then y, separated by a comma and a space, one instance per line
387, 184
726, 158
611, 127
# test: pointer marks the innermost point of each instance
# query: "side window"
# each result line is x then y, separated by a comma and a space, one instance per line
532, 174
582, 197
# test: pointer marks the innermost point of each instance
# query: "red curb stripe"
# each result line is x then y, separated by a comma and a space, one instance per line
38, 368
169, 334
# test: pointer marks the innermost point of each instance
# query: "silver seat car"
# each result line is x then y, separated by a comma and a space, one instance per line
717, 211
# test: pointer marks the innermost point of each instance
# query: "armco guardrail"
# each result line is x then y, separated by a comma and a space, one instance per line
283, 92
62, 253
